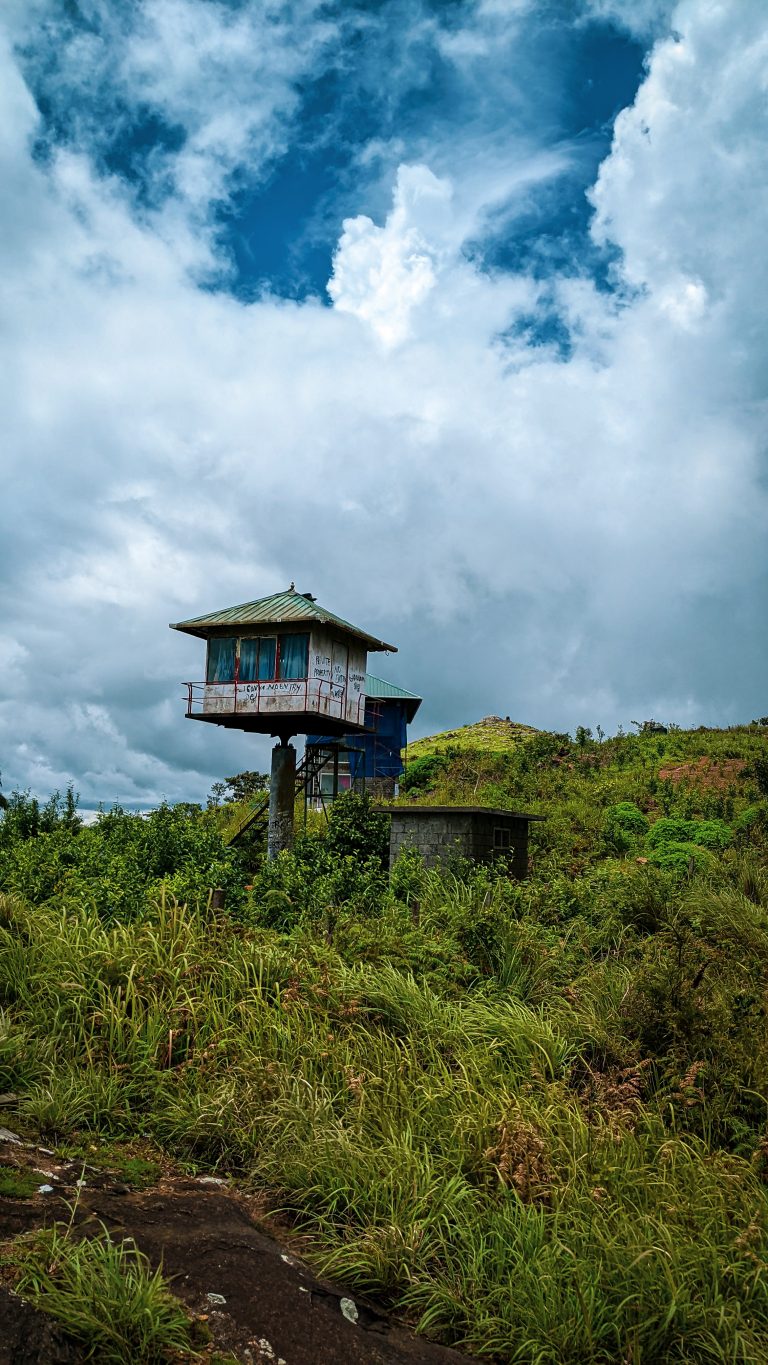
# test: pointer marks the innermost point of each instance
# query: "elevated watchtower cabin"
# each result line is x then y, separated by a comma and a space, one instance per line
283, 666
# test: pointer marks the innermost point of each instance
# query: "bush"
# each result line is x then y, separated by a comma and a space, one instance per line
119, 863
106, 1295
422, 773
624, 826
752, 821
355, 830
681, 857
712, 834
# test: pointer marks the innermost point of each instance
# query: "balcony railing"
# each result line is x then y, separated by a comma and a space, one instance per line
317, 696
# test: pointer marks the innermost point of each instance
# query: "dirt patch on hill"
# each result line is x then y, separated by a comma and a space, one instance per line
705, 773
220, 1254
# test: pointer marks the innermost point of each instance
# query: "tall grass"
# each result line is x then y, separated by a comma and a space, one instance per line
502, 1163
105, 1295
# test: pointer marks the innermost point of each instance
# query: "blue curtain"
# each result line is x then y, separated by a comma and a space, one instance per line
267, 652
221, 661
294, 656
257, 659
249, 660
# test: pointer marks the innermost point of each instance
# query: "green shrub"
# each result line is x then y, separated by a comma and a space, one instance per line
119, 863
752, 821
105, 1295
355, 830
624, 826
711, 834
679, 857
422, 773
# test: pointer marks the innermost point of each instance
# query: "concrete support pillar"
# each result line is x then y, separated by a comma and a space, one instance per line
282, 793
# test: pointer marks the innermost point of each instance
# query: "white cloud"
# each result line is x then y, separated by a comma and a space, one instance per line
543, 535
227, 77
641, 18
382, 274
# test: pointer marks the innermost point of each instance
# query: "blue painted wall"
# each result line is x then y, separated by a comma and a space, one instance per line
379, 749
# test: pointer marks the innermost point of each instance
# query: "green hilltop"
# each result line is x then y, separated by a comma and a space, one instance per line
492, 735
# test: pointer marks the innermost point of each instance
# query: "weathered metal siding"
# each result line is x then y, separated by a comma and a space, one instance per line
356, 687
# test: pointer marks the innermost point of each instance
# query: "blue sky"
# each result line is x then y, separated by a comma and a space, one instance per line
278, 222
450, 311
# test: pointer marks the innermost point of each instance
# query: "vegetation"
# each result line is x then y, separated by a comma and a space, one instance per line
104, 1294
16, 1184
532, 1117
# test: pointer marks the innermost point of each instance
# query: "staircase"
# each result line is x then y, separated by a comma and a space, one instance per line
257, 815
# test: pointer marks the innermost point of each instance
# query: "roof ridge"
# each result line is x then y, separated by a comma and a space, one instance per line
257, 611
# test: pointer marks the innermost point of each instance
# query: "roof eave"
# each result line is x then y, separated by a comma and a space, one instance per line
202, 631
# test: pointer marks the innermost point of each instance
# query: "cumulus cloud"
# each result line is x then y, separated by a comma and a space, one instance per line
380, 274
564, 533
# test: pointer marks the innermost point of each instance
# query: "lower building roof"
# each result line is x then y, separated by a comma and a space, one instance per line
457, 810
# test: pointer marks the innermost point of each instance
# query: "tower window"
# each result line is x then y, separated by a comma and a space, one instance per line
293, 656
257, 659
221, 661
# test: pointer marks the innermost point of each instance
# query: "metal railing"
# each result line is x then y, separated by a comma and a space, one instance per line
246, 698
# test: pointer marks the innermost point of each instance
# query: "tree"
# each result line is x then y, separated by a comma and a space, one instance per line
241, 787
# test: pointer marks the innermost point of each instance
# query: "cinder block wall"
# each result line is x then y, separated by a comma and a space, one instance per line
439, 835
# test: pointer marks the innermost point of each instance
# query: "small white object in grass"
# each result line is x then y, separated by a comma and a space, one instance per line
45, 1189
210, 1180
349, 1310
289, 1260
7, 1136
80, 1184
216, 1298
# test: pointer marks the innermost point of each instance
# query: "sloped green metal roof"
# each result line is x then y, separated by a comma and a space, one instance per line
376, 689
291, 607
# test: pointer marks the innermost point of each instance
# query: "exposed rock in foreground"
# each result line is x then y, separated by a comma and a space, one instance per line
261, 1304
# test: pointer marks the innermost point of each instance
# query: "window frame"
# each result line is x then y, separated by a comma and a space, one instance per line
257, 639
280, 676
219, 640
277, 674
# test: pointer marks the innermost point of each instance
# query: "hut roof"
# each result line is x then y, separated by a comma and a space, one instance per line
290, 607
376, 689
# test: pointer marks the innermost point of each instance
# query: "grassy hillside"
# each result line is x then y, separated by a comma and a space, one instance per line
530, 1117
703, 774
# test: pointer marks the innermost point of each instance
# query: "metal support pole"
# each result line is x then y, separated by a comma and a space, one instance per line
282, 793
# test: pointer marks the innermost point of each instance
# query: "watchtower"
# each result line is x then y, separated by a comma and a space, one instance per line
283, 666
